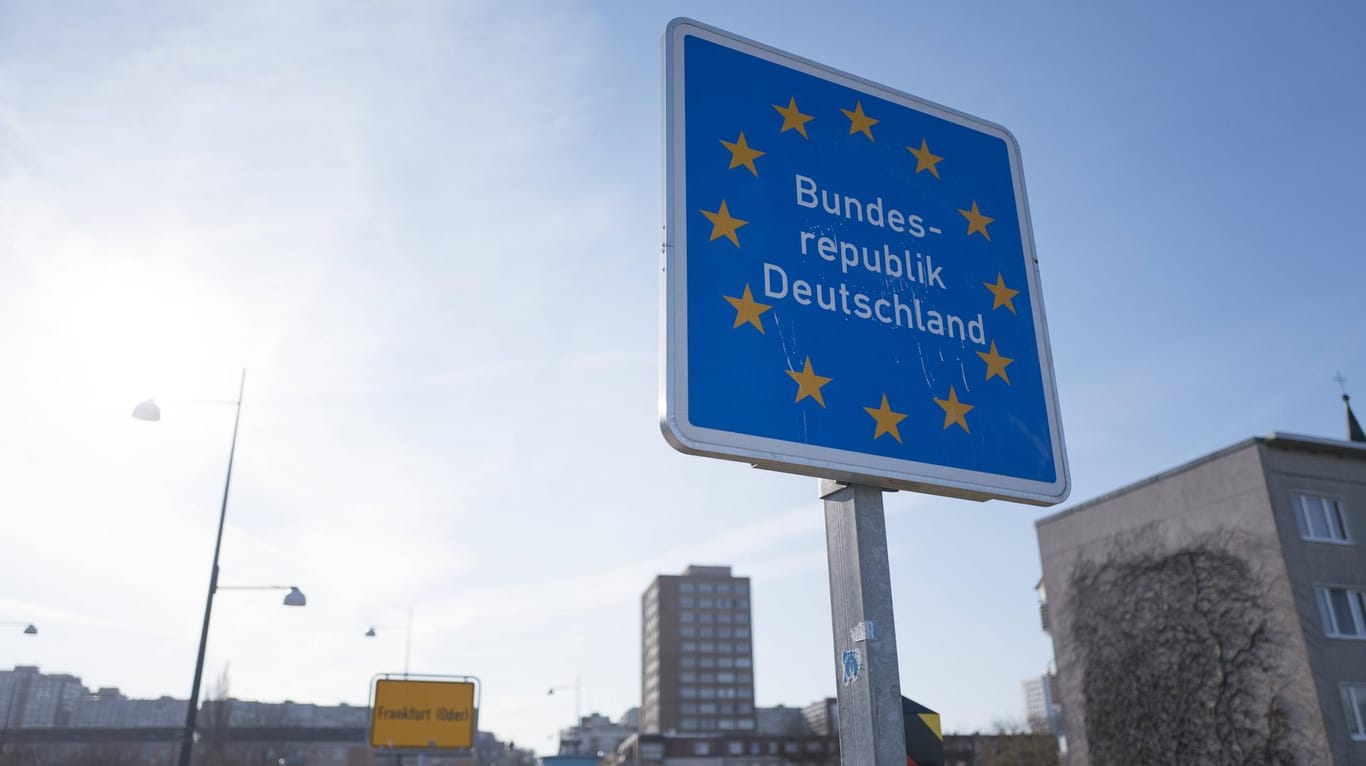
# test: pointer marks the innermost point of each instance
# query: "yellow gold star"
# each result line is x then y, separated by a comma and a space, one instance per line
793, 119
809, 384
860, 122
723, 224
976, 221
1004, 296
954, 410
742, 154
886, 420
996, 364
748, 310
925, 159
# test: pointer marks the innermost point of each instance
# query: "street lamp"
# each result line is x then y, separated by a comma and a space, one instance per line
149, 411
408, 647
575, 687
294, 597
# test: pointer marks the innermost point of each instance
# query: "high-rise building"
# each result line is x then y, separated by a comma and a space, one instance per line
1042, 714
29, 698
697, 660
1286, 515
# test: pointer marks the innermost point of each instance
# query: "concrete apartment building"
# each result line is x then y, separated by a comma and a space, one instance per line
1294, 508
697, 661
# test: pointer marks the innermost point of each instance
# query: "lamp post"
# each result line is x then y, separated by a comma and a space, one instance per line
294, 597
578, 721
408, 647
149, 411
575, 687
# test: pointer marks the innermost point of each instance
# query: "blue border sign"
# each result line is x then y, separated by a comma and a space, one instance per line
850, 288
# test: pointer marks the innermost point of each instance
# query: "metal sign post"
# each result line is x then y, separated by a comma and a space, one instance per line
868, 678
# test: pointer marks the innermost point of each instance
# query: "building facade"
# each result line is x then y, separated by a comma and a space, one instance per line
697, 661
1294, 509
30, 699
595, 735
1042, 713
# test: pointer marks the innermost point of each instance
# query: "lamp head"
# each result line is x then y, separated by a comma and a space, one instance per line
295, 597
30, 631
147, 410
371, 632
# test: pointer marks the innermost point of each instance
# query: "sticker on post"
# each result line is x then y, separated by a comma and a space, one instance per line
863, 631
852, 665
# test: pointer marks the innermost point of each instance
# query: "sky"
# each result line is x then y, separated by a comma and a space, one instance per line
429, 232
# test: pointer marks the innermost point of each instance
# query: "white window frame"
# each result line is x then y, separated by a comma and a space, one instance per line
1302, 517
1356, 604
1354, 700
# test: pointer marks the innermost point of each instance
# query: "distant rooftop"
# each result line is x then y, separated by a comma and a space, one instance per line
1276, 440
694, 570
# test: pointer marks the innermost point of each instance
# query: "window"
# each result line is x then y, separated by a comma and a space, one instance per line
687, 617
1320, 518
1354, 699
688, 724
687, 692
706, 632
708, 707
687, 631
705, 587
686, 587
687, 603
687, 678
706, 662
743, 662
687, 662
723, 588
688, 708
734, 748
687, 646
1343, 611
705, 603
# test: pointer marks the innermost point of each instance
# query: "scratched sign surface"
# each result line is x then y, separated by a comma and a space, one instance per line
850, 284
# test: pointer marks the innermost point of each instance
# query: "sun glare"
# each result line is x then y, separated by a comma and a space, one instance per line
125, 330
